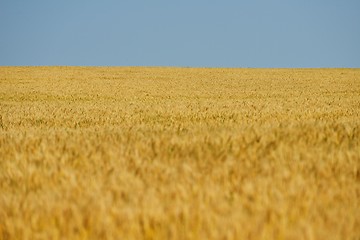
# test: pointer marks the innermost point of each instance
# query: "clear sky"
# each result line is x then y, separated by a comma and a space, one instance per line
187, 33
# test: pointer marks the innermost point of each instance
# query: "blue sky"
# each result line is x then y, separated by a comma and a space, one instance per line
197, 33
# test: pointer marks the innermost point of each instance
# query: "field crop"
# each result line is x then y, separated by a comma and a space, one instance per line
179, 153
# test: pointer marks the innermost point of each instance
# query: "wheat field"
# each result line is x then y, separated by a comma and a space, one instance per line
179, 153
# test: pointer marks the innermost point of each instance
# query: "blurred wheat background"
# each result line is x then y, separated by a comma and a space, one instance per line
179, 153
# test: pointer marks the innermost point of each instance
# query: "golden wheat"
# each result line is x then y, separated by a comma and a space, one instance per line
179, 153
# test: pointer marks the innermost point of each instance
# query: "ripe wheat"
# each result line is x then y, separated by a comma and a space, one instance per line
179, 153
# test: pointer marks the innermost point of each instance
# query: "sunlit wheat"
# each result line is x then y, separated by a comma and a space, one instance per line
179, 153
